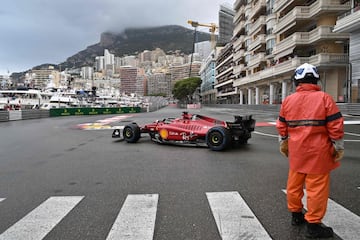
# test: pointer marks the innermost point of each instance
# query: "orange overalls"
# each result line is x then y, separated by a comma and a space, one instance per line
311, 120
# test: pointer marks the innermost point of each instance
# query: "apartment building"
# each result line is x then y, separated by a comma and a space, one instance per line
40, 78
179, 72
159, 83
273, 37
226, 92
128, 79
349, 23
226, 24
207, 75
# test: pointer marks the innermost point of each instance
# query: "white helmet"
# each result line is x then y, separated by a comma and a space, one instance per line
306, 73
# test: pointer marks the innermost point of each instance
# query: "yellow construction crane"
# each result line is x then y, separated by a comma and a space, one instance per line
212, 28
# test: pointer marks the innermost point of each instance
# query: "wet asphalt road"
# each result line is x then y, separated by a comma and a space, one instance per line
52, 157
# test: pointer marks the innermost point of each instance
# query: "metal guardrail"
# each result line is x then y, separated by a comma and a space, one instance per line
32, 114
4, 116
349, 12
352, 109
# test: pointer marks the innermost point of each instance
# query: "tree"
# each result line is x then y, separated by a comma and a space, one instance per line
185, 88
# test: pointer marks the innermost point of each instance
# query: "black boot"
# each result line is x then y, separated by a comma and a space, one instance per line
297, 218
317, 230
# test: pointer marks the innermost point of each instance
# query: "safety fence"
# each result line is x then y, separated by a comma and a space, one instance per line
58, 112
345, 108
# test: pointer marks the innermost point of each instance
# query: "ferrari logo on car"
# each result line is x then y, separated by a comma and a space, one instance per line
164, 133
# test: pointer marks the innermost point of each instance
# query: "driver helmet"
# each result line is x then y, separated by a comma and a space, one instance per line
306, 73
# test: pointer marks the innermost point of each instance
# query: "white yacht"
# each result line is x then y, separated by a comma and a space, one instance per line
21, 99
70, 98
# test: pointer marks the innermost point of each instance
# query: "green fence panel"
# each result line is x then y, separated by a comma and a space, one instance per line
58, 112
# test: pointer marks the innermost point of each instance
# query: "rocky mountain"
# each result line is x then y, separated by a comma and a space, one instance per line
135, 40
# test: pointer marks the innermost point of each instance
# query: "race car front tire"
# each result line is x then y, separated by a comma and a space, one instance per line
218, 138
131, 133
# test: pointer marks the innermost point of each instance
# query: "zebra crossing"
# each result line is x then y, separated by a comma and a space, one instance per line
344, 223
41, 220
137, 216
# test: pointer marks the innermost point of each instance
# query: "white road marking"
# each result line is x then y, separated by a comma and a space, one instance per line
234, 218
344, 223
113, 119
2, 199
349, 140
266, 134
352, 134
40, 221
136, 219
118, 127
351, 122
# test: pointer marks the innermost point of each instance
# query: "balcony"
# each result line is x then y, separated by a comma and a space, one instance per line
279, 4
256, 59
329, 59
228, 82
285, 5
238, 69
239, 28
349, 22
256, 26
238, 4
238, 55
256, 9
222, 94
260, 39
228, 70
287, 67
238, 43
307, 38
308, 12
240, 15
228, 60
247, 10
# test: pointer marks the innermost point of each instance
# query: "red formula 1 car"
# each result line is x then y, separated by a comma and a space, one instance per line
193, 129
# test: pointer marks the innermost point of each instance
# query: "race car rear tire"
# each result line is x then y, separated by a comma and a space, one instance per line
218, 138
131, 133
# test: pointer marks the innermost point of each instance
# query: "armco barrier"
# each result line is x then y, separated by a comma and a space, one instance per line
34, 113
58, 112
345, 108
4, 116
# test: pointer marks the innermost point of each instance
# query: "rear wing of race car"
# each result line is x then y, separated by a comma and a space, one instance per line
242, 122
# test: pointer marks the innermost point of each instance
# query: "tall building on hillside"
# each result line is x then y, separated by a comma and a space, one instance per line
273, 37
99, 63
141, 80
145, 56
159, 83
128, 79
43, 77
226, 24
203, 49
87, 72
109, 58
179, 72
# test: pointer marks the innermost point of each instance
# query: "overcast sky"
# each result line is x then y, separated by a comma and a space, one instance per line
33, 32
